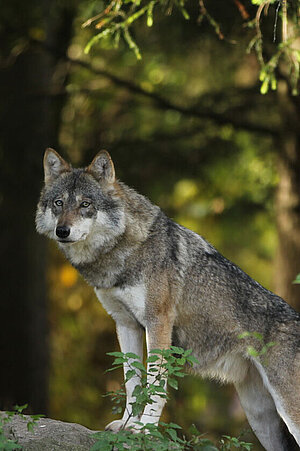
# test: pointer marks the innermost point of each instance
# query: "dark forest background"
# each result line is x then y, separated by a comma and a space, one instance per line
186, 126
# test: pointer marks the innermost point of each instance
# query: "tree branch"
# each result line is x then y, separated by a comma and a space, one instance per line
163, 103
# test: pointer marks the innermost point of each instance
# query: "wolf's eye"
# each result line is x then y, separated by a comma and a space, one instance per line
85, 204
58, 203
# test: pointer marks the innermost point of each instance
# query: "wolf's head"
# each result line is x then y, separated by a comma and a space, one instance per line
79, 205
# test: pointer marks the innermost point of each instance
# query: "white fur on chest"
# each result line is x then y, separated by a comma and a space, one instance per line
124, 304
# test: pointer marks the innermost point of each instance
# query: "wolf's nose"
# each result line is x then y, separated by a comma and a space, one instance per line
62, 231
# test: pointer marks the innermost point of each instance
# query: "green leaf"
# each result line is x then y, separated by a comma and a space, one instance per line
185, 13
153, 358
181, 361
116, 354
297, 280
172, 433
179, 374
129, 375
137, 390
174, 425
137, 409
262, 74
193, 430
159, 389
150, 14
30, 426
9, 445
244, 335
157, 351
257, 335
273, 83
131, 355
20, 409
271, 343
37, 417
252, 351
177, 350
193, 359
119, 360
265, 86
113, 368
173, 383
155, 433
101, 446
138, 365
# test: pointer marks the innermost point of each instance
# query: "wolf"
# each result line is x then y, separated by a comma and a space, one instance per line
156, 277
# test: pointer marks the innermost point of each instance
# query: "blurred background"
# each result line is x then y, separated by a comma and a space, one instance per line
186, 126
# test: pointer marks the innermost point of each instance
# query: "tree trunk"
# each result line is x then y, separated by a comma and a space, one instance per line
288, 204
29, 118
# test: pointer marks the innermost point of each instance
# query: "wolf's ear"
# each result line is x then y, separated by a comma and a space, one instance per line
102, 167
54, 165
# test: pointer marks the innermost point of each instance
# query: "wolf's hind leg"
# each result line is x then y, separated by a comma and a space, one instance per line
262, 415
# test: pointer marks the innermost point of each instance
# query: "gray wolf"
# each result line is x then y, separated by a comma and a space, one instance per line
155, 276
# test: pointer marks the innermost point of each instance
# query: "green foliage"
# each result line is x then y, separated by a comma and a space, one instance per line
164, 437
229, 443
118, 17
285, 52
8, 444
262, 347
165, 365
297, 280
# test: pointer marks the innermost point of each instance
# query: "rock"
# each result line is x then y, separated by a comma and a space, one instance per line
47, 434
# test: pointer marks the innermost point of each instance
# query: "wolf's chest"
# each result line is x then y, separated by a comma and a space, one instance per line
124, 303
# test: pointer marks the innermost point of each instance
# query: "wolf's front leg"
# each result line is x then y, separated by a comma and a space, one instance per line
158, 336
131, 340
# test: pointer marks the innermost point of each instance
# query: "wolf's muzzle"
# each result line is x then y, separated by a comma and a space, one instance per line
63, 231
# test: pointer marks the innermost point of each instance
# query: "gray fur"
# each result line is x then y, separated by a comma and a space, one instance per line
208, 301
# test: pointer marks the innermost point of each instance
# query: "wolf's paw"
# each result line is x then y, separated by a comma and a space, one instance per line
121, 425
115, 426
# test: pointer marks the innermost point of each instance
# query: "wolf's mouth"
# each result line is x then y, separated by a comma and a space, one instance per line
66, 241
